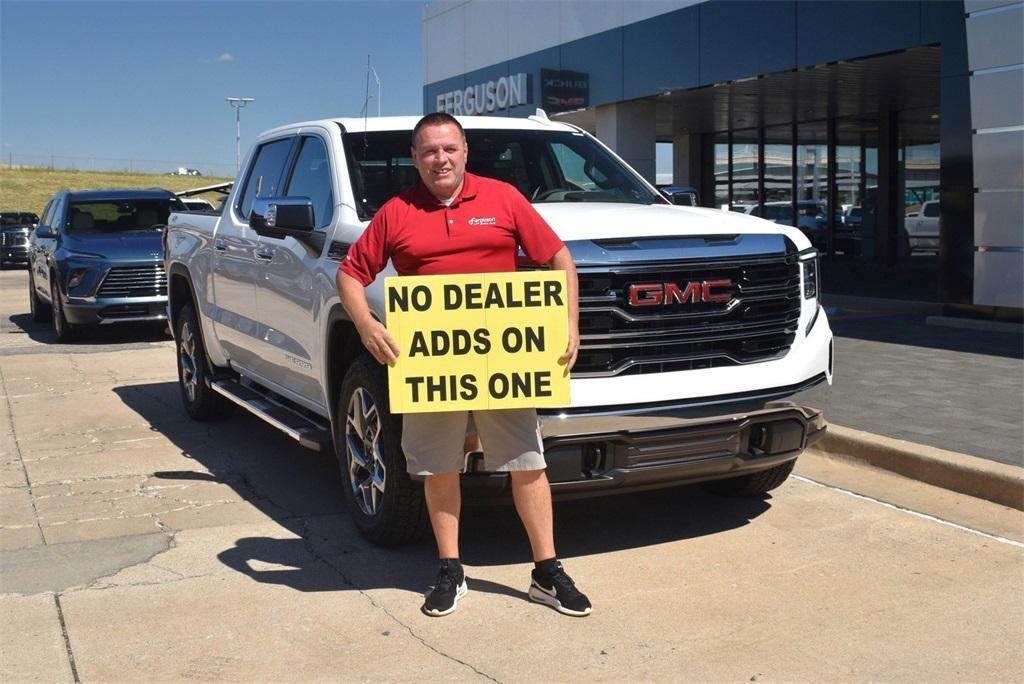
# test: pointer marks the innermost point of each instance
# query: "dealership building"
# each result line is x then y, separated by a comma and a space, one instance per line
892, 132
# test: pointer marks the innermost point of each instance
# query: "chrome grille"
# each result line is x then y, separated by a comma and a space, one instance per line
14, 238
135, 281
759, 323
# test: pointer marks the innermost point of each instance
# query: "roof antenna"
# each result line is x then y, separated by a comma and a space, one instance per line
366, 103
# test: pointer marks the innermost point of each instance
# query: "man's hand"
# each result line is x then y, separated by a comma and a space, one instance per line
571, 349
376, 338
378, 341
562, 261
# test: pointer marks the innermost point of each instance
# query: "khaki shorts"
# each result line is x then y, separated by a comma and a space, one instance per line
510, 438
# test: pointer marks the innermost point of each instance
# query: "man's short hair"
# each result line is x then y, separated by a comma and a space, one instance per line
437, 119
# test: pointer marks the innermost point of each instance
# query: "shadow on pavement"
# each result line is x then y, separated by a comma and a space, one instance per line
90, 336
300, 490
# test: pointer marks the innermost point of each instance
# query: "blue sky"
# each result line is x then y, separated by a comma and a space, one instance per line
141, 84
146, 80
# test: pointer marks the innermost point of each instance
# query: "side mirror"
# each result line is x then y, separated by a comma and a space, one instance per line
282, 217
45, 232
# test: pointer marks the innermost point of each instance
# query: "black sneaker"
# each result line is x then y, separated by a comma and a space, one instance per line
556, 589
448, 588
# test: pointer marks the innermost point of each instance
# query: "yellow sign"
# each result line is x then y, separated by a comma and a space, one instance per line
480, 341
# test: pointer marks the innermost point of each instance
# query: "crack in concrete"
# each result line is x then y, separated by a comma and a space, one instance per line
132, 516
306, 534
67, 639
17, 447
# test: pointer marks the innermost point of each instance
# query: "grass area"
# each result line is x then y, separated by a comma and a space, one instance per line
28, 189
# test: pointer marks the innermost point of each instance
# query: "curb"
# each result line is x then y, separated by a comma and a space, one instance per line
971, 475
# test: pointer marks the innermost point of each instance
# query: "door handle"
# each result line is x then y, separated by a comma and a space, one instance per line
265, 254
220, 245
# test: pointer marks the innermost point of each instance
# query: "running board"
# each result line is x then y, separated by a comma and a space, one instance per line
297, 426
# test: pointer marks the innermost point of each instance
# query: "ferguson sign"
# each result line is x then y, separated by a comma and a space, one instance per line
483, 98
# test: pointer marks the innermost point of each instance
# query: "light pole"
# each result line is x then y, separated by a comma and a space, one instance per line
238, 103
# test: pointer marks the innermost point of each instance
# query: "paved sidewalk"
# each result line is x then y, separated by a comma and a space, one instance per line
897, 376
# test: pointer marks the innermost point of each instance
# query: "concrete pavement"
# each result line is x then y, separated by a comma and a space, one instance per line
954, 389
139, 545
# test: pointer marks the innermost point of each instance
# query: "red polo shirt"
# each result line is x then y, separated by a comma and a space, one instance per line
478, 233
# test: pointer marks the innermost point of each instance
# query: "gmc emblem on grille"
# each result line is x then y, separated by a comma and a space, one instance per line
664, 294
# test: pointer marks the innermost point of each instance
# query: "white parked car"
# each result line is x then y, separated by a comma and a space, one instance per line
923, 228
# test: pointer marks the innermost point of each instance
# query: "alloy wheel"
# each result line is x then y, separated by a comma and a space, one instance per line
366, 471
59, 324
187, 360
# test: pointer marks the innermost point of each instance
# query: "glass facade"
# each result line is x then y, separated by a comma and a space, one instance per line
823, 178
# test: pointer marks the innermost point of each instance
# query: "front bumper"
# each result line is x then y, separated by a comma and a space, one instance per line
107, 311
14, 253
595, 455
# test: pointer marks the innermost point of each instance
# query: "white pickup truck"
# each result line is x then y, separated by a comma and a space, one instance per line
698, 326
922, 228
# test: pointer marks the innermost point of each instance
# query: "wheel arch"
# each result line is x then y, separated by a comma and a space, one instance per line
180, 292
342, 348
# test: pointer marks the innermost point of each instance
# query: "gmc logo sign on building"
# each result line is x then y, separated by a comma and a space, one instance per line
663, 294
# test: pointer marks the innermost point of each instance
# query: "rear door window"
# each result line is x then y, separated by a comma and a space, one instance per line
264, 174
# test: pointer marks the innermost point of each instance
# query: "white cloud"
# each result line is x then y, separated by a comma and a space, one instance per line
222, 57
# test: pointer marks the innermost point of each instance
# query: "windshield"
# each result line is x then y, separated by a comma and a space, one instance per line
9, 219
545, 166
114, 216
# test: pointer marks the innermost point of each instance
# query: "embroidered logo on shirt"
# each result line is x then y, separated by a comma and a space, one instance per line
483, 221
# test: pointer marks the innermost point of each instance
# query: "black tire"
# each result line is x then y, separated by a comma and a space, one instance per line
755, 484
385, 503
201, 402
64, 331
37, 307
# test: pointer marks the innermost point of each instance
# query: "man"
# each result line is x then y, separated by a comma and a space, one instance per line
427, 231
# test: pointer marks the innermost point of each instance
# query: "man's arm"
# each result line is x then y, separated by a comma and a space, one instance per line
562, 261
376, 338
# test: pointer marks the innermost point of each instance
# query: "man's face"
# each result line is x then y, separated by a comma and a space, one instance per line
440, 157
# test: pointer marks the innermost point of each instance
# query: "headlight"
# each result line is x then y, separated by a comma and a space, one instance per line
75, 277
809, 272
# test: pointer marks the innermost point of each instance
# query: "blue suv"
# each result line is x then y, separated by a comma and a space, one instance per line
96, 258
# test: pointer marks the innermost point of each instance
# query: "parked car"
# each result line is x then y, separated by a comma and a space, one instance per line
812, 217
922, 228
682, 195
854, 237
182, 171
96, 259
14, 229
698, 326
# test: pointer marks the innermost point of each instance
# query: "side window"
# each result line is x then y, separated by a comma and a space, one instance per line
47, 219
931, 209
264, 174
311, 178
57, 212
574, 168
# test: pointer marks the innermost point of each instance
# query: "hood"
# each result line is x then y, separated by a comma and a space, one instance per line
136, 245
603, 221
